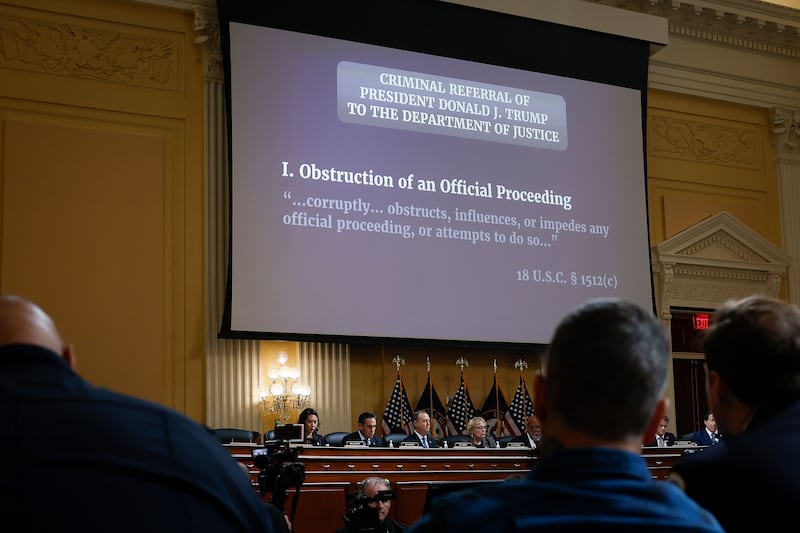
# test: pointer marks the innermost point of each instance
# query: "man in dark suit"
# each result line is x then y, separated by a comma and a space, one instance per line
751, 479
422, 429
662, 437
367, 424
709, 435
532, 438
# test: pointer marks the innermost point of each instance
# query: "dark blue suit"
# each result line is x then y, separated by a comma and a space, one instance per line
376, 441
701, 438
75, 457
669, 439
750, 481
432, 443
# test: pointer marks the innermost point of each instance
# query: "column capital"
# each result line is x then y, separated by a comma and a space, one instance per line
786, 133
206, 27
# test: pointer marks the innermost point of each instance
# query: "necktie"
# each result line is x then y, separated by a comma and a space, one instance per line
367, 442
660, 441
424, 442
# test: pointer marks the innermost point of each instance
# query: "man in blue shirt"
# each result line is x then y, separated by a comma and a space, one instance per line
606, 376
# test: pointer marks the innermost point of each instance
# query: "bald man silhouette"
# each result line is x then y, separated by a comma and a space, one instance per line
78, 457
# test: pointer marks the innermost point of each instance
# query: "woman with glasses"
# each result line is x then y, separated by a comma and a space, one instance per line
476, 429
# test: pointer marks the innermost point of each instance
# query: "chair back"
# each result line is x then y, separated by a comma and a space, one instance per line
335, 438
228, 435
395, 439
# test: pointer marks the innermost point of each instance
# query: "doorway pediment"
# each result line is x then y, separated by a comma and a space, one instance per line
714, 260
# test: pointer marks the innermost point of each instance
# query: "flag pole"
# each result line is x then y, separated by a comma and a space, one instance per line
498, 426
398, 360
430, 388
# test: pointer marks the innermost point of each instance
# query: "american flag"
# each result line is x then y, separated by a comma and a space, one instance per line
520, 409
460, 411
494, 412
397, 415
429, 401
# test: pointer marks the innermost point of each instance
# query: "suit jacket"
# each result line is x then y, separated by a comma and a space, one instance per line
486, 442
523, 438
316, 440
669, 438
748, 471
701, 438
376, 440
432, 443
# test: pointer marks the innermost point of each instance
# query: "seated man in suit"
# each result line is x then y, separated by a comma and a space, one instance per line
662, 437
708, 436
532, 438
367, 424
422, 428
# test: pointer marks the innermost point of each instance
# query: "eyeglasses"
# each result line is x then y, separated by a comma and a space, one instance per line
480, 427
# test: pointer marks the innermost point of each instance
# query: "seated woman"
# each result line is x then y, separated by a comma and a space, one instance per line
310, 420
476, 429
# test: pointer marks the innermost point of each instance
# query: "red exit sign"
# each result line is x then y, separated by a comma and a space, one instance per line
700, 321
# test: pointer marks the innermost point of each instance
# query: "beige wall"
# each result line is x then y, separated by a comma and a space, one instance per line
706, 156
101, 114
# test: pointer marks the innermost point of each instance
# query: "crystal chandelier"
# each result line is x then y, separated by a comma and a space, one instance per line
285, 393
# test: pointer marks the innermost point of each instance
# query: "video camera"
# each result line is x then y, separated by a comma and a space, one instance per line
361, 517
280, 470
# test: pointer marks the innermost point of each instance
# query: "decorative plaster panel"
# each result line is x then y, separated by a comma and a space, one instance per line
82, 50
700, 141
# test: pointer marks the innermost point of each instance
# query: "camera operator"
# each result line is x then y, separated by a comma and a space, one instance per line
370, 509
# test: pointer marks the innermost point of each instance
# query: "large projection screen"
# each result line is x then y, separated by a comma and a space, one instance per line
465, 180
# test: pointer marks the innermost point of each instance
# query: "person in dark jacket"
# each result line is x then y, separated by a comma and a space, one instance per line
476, 429
751, 479
662, 438
310, 420
367, 425
370, 511
422, 431
603, 389
118, 463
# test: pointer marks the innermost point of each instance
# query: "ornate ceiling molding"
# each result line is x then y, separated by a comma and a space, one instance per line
749, 24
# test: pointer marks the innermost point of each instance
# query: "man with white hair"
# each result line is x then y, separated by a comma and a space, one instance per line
371, 506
